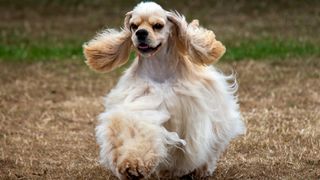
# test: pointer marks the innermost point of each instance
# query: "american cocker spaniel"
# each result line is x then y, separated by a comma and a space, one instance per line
171, 113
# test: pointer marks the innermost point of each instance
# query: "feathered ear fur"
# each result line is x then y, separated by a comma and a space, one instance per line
199, 43
109, 49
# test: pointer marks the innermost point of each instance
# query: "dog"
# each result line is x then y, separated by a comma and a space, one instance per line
171, 114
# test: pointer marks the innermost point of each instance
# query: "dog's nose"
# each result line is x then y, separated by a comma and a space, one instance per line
142, 34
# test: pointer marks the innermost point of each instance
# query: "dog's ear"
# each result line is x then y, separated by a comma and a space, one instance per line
109, 49
199, 43
179, 32
127, 20
203, 48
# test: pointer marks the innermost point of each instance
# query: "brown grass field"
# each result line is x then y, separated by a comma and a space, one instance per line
48, 120
48, 109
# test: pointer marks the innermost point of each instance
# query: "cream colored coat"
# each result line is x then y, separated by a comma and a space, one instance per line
171, 113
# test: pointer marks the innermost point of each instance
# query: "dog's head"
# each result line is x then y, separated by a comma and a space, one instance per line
148, 28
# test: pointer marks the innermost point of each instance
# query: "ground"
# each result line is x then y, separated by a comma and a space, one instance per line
49, 99
48, 119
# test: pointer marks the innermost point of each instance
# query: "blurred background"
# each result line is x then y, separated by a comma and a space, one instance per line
34, 30
49, 99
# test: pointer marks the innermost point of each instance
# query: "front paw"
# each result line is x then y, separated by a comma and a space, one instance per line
133, 149
136, 167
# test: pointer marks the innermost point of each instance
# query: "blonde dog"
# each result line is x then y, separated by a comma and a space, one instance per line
171, 113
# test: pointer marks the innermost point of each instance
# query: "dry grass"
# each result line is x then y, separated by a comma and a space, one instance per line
48, 109
47, 120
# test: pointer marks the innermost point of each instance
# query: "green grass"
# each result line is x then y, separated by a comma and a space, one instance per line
38, 52
254, 49
271, 49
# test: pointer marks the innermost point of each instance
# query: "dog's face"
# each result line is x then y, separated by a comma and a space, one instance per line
150, 28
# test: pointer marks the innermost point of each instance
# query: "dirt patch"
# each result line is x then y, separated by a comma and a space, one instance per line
48, 110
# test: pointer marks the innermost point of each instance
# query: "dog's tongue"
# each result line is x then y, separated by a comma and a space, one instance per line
143, 46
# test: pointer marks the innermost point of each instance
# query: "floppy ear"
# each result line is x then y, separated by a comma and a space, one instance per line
179, 32
200, 43
109, 49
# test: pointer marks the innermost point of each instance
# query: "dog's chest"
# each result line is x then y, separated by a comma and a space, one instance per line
186, 105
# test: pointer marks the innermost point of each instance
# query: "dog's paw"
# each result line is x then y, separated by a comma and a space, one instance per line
136, 168
201, 173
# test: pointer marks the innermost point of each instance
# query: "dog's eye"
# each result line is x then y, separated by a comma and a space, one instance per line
157, 26
133, 27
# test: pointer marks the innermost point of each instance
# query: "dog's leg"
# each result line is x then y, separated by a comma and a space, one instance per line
204, 171
132, 148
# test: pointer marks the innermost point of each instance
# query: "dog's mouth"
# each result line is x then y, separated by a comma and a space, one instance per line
145, 48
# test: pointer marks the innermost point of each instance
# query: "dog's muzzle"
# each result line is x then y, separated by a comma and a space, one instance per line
142, 35
143, 46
